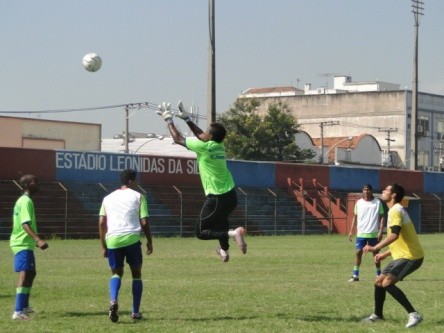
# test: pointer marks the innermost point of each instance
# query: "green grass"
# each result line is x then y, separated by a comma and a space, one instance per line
283, 284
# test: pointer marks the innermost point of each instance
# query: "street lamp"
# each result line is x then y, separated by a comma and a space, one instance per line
125, 139
157, 137
325, 156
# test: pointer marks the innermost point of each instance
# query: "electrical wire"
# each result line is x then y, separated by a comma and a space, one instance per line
147, 105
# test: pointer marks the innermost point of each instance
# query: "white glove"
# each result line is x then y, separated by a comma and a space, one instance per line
164, 111
182, 113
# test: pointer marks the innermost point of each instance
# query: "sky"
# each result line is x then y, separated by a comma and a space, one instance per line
157, 50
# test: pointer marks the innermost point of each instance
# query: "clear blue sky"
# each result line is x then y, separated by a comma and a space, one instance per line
156, 51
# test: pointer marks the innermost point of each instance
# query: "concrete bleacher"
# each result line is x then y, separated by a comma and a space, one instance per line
274, 211
70, 210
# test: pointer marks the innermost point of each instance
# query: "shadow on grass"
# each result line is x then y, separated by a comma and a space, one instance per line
207, 319
329, 318
88, 314
124, 317
128, 313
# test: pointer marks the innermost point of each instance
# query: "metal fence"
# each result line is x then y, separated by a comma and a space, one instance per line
70, 210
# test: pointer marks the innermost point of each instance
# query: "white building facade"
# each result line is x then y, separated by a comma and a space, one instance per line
377, 108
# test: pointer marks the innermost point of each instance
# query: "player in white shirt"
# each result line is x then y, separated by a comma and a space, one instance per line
369, 221
123, 216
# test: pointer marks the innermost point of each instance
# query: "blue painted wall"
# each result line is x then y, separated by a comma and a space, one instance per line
433, 182
105, 167
352, 179
253, 174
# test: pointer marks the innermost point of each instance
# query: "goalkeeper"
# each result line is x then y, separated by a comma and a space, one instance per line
217, 182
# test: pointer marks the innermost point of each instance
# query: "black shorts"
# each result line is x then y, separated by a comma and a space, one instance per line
400, 268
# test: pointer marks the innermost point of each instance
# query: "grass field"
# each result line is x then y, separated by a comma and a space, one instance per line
283, 284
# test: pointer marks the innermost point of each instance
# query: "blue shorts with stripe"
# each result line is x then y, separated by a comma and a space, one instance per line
132, 253
361, 242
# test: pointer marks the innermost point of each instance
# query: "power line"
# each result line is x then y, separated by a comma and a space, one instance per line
137, 105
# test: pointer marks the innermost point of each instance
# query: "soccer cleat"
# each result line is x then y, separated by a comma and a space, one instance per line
224, 256
354, 278
28, 310
136, 316
20, 315
113, 312
414, 319
239, 238
372, 318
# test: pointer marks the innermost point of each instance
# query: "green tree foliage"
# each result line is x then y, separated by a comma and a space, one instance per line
262, 138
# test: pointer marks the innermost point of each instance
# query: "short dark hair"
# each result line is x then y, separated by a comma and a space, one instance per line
399, 191
25, 180
217, 131
127, 175
369, 186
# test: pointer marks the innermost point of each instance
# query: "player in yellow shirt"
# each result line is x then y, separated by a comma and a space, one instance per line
406, 251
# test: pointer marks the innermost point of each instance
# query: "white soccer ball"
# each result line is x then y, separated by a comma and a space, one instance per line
92, 62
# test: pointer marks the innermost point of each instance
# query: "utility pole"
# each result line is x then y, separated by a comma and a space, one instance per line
126, 136
322, 124
211, 112
132, 106
417, 10
388, 139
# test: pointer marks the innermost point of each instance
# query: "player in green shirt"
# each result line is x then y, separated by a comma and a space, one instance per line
24, 239
217, 182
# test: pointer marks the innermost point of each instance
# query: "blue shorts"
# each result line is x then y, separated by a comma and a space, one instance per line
361, 242
132, 253
24, 261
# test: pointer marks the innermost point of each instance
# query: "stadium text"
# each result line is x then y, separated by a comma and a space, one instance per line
115, 162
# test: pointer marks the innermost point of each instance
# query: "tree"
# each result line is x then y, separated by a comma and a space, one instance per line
267, 138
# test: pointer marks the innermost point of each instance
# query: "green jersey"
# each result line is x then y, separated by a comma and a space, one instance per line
214, 174
23, 213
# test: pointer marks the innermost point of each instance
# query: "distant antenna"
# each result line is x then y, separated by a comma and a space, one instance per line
327, 76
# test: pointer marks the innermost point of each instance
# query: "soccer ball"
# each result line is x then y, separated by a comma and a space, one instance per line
92, 62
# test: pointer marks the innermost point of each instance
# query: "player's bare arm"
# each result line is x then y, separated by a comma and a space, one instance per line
147, 231
102, 233
41, 244
390, 239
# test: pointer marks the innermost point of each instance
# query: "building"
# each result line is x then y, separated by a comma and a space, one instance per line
380, 109
360, 150
16, 132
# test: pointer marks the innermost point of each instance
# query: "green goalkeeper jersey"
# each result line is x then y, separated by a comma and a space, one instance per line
23, 213
214, 173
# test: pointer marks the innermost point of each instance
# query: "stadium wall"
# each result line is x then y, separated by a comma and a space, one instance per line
77, 166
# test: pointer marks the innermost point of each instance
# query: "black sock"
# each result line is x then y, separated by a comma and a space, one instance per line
379, 301
400, 297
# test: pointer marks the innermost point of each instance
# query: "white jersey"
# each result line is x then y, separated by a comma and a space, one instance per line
122, 211
368, 217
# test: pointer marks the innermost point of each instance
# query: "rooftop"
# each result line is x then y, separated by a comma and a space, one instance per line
148, 146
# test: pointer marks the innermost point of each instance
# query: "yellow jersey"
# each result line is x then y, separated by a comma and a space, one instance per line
407, 246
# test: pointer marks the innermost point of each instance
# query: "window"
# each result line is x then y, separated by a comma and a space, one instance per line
423, 158
439, 129
423, 126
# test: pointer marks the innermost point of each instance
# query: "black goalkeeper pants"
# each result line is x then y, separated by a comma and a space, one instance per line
213, 220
